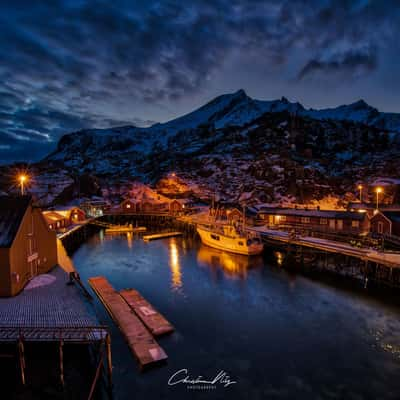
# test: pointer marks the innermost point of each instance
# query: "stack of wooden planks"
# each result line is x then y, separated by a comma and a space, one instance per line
122, 308
153, 320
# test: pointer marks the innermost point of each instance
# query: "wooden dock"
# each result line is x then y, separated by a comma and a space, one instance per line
140, 341
125, 229
154, 321
162, 235
389, 259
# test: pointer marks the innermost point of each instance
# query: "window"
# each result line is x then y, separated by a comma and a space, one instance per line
380, 227
355, 224
215, 237
128, 206
240, 243
283, 218
323, 221
305, 220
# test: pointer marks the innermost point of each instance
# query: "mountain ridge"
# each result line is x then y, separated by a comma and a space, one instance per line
237, 146
238, 108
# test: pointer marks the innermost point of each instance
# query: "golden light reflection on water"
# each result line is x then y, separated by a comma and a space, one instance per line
233, 265
176, 274
279, 258
129, 239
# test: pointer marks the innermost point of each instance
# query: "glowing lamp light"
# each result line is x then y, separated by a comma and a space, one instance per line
22, 179
360, 188
378, 190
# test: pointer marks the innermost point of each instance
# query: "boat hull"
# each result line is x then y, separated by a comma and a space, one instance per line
234, 245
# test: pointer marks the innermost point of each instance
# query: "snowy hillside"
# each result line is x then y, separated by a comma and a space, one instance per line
239, 147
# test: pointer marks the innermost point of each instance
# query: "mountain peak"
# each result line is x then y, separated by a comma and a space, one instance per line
359, 104
240, 93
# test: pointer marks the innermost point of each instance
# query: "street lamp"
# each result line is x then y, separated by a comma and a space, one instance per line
378, 190
360, 188
22, 179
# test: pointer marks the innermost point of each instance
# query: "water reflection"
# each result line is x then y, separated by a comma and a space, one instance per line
233, 265
176, 274
279, 258
129, 239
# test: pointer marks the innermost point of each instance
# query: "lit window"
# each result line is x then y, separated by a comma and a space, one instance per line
128, 206
355, 224
305, 220
323, 221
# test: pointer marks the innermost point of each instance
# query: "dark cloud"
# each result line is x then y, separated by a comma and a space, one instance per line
353, 61
69, 64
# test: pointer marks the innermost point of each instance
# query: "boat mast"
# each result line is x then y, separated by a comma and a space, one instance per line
244, 216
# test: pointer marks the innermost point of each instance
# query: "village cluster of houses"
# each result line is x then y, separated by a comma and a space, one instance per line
28, 234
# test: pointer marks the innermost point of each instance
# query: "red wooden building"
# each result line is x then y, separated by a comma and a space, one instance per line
55, 221
386, 223
317, 220
128, 206
71, 213
27, 246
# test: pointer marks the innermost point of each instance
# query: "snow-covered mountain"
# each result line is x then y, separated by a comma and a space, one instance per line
235, 144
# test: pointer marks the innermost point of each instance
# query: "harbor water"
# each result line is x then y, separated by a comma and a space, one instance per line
273, 334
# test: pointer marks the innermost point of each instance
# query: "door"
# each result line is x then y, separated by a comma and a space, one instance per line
271, 219
339, 224
331, 224
380, 227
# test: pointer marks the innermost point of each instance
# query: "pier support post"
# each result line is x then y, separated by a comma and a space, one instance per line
109, 360
97, 374
21, 353
61, 352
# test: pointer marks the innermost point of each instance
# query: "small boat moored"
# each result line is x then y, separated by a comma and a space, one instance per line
229, 238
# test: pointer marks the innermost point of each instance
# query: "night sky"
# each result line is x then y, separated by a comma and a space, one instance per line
67, 65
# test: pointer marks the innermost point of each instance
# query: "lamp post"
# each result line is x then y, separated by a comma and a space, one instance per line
378, 190
360, 188
22, 180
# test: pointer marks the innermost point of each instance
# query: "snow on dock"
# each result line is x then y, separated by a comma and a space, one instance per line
140, 341
154, 321
162, 235
49, 310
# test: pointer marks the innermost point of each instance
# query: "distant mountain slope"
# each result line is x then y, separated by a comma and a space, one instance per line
235, 144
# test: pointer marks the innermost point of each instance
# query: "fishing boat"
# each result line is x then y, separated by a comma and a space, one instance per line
231, 239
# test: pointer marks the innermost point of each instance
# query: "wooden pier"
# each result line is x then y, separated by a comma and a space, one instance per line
154, 321
162, 235
140, 341
126, 229
389, 259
